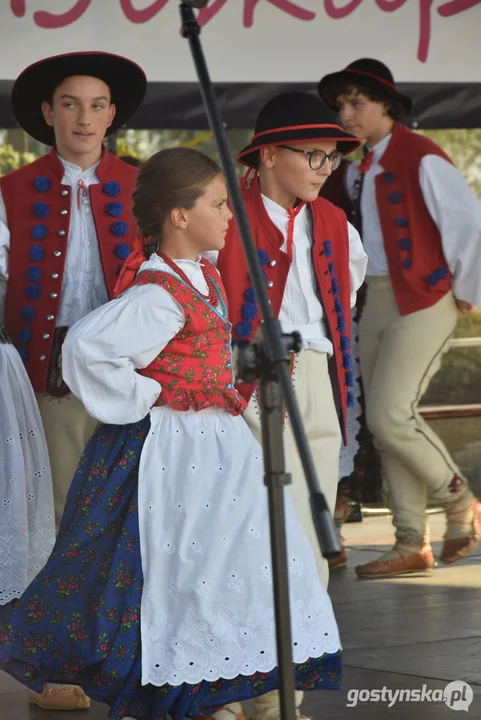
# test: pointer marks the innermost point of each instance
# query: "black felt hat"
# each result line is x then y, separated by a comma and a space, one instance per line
295, 117
126, 80
373, 71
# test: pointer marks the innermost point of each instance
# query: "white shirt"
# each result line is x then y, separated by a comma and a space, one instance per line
301, 307
83, 283
454, 208
102, 351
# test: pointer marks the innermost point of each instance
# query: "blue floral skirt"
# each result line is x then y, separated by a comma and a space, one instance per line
79, 620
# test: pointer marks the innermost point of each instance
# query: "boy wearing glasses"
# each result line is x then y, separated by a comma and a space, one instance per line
421, 226
314, 263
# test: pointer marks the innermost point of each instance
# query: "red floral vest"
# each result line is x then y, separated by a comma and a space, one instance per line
195, 368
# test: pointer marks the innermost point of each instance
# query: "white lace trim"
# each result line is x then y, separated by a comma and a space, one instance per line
193, 654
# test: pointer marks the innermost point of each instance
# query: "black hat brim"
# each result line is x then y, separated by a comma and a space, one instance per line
126, 80
344, 76
345, 142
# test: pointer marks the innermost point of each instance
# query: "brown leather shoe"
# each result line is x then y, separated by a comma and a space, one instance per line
456, 548
65, 697
339, 561
402, 565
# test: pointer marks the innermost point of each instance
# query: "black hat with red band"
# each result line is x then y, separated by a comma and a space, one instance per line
295, 117
126, 80
368, 72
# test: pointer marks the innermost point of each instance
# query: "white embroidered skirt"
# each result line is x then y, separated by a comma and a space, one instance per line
207, 607
27, 528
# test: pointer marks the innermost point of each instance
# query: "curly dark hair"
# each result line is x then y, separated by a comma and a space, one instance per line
373, 90
170, 179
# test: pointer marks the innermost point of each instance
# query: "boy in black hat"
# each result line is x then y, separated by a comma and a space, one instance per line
66, 226
421, 228
314, 263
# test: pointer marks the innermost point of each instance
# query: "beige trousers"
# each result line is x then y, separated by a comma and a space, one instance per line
399, 357
68, 427
315, 397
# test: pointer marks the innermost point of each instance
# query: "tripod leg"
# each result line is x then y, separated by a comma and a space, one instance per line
272, 416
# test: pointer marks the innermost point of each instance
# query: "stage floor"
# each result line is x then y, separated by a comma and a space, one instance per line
398, 634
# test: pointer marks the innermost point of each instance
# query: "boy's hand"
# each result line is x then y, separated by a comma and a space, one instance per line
464, 307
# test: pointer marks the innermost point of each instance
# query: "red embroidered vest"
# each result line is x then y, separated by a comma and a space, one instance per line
195, 368
417, 266
38, 217
330, 258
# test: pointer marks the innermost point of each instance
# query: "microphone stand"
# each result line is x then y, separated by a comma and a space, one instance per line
267, 361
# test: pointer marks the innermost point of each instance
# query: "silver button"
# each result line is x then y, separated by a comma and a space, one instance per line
61, 233
87, 209
64, 192
45, 336
50, 317
55, 276
57, 253
229, 386
43, 357
272, 263
64, 212
270, 284
54, 295
229, 365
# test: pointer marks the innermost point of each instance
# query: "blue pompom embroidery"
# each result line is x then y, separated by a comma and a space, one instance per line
250, 295
395, 198
345, 343
349, 378
389, 177
39, 231
243, 329
42, 184
263, 257
25, 335
402, 223
37, 253
41, 210
33, 273
28, 313
122, 251
119, 228
33, 291
405, 244
351, 400
341, 324
328, 248
114, 209
111, 188
338, 305
331, 268
407, 264
23, 354
436, 276
249, 312
335, 286
346, 361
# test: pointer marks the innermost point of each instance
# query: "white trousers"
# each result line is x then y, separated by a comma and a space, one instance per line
316, 401
399, 357
68, 428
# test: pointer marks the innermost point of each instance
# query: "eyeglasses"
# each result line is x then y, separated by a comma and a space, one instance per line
318, 158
